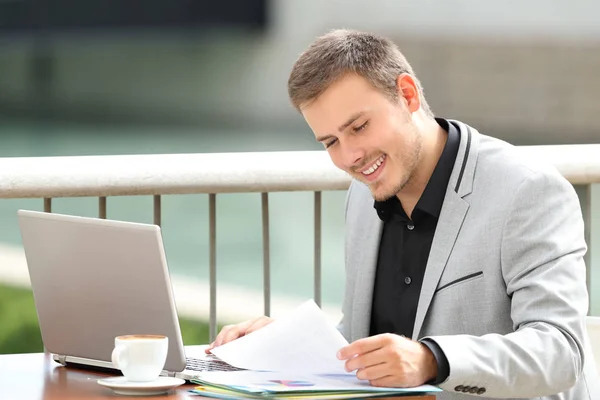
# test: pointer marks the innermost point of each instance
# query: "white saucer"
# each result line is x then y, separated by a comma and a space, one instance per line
120, 385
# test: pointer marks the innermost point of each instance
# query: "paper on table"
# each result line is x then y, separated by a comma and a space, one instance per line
280, 382
220, 393
300, 342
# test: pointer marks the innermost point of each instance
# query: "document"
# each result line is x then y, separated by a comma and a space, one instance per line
279, 383
303, 341
294, 357
230, 394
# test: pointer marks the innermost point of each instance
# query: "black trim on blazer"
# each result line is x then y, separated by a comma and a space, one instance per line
464, 278
464, 164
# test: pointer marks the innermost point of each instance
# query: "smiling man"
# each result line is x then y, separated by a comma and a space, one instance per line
464, 258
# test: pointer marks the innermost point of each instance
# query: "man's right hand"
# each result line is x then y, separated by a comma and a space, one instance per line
232, 332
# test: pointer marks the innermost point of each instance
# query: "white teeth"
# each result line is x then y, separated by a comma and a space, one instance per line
374, 167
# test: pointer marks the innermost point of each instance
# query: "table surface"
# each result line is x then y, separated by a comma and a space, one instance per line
37, 376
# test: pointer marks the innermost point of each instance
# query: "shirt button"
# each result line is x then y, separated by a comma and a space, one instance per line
407, 280
410, 227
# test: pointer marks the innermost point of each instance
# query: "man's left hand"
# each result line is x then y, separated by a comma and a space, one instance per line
390, 360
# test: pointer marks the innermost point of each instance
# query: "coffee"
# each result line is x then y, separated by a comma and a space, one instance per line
140, 337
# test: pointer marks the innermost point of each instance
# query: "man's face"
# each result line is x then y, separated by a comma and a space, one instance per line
366, 134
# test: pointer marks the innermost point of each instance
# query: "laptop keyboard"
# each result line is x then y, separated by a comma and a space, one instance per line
209, 364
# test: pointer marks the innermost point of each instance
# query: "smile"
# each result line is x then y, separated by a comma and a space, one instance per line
374, 167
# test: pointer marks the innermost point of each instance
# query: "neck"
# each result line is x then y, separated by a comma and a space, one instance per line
434, 140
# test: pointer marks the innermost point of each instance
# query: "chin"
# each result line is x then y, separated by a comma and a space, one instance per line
382, 197
380, 194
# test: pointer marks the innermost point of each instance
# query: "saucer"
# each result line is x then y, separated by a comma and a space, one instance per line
120, 385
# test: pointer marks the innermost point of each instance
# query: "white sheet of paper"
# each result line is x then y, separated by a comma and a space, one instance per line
300, 342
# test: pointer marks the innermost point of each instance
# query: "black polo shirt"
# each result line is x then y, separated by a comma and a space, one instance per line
404, 250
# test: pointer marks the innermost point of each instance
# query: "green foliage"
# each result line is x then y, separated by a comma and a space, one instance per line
20, 332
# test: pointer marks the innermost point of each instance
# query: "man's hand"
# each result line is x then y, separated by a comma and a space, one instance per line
390, 360
232, 332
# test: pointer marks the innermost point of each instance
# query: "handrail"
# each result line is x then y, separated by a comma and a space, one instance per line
168, 174
48, 177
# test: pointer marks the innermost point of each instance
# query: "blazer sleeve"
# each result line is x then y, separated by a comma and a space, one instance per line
542, 265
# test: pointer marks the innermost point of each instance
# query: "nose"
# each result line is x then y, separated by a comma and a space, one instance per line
352, 155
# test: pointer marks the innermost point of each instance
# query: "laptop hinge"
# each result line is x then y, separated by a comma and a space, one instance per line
62, 360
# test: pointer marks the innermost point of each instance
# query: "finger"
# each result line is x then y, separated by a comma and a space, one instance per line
259, 323
373, 372
389, 381
210, 347
221, 335
232, 334
226, 334
247, 327
366, 360
362, 346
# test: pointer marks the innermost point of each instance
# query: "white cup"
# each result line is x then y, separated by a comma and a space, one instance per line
140, 358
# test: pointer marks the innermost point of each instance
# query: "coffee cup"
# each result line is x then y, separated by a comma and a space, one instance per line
141, 358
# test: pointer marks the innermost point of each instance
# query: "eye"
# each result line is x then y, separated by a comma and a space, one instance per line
330, 143
360, 128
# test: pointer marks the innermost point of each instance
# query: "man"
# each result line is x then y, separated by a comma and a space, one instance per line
464, 258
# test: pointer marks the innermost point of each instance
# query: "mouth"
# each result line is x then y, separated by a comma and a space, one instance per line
372, 171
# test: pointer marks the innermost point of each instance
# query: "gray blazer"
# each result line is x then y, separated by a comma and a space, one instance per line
504, 291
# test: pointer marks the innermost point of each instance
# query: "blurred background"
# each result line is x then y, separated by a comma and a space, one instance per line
188, 76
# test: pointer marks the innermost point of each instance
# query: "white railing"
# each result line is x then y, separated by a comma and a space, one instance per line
168, 174
47, 177
212, 174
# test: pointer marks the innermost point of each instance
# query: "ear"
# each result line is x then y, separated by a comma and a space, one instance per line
407, 90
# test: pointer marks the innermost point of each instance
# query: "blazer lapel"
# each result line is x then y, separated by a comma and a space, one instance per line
451, 219
452, 215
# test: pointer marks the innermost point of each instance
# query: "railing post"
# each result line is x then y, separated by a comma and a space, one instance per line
266, 254
48, 204
157, 210
48, 209
212, 218
318, 283
102, 207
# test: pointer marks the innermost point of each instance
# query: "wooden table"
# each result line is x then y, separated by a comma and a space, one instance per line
37, 376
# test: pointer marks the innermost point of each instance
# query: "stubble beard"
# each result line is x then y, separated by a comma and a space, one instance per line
405, 180
388, 194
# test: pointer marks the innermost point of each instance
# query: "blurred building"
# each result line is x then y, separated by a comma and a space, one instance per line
521, 70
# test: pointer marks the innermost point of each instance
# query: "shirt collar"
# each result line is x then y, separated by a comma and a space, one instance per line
433, 196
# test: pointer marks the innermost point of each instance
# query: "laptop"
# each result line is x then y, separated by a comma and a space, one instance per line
94, 279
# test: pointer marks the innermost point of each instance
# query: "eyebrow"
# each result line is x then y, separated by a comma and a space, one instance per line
342, 127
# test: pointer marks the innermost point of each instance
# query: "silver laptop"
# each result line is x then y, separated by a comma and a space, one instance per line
95, 279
